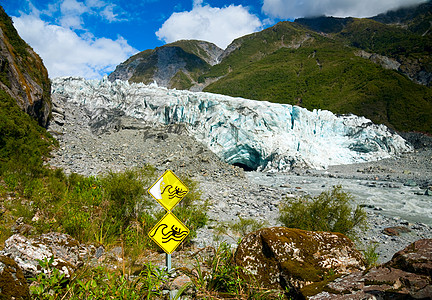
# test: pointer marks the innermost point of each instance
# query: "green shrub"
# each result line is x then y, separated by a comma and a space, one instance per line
97, 283
237, 230
49, 283
23, 143
370, 254
329, 211
123, 191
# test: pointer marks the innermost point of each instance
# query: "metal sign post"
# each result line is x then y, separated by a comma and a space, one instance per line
169, 232
168, 262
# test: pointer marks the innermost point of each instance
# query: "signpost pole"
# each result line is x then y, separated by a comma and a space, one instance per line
168, 262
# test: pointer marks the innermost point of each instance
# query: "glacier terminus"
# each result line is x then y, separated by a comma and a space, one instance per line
256, 135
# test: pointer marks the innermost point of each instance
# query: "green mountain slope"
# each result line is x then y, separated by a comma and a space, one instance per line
305, 68
326, 74
417, 19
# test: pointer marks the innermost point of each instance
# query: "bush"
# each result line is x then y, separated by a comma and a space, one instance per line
237, 230
23, 143
123, 191
97, 283
329, 211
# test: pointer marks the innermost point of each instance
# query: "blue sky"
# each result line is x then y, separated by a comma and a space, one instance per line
89, 38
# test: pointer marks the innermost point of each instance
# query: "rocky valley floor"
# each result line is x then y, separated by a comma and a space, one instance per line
92, 147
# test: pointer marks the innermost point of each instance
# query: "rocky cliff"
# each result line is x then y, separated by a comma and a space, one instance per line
175, 65
22, 73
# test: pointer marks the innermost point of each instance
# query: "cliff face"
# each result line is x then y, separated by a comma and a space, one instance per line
176, 65
22, 73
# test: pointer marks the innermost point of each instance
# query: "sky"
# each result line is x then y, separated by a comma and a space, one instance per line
89, 38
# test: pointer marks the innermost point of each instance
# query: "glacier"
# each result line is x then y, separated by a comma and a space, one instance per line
256, 135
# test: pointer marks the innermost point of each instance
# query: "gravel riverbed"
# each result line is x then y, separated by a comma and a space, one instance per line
388, 189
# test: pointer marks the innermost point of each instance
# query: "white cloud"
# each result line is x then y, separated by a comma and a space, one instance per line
217, 25
71, 11
66, 53
291, 9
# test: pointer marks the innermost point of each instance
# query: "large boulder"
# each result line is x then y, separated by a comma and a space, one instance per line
12, 282
286, 258
406, 276
68, 253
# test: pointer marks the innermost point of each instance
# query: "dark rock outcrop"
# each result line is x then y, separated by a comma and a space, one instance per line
12, 282
175, 65
416, 258
280, 258
22, 73
406, 276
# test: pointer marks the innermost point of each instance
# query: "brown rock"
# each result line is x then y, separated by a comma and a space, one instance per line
396, 230
180, 282
416, 258
12, 282
281, 257
406, 276
378, 283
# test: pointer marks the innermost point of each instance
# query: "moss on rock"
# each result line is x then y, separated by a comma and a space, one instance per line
12, 282
286, 258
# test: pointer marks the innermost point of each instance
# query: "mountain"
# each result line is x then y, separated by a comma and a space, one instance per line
365, 67
176, 65
23, 75
417, 19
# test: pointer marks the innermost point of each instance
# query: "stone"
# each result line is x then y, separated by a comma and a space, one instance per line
68, 253
280, 257
396, 230
180, 281
416, 258
12, 282
406, 276
378, 283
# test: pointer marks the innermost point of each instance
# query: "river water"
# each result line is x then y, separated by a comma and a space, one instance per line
393, 199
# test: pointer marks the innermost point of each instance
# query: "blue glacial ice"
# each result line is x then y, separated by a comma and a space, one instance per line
255, 134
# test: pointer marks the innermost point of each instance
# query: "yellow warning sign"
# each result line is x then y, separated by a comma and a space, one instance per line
168, 190
169, 232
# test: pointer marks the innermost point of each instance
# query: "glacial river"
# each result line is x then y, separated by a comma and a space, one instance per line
393, 199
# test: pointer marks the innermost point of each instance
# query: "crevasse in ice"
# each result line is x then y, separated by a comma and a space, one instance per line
255, 134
